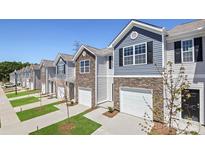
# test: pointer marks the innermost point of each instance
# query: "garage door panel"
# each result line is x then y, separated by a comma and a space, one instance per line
136, 102
85, 96
61, 92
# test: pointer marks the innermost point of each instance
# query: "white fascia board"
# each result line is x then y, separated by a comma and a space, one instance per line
79, 52
57, 58
185, 34
137, 24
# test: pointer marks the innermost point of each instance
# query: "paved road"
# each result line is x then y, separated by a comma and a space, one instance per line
8, 116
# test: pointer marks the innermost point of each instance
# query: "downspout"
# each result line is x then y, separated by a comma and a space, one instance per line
96, 71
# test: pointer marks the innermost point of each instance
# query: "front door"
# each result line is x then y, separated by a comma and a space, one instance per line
190, 106
51, 86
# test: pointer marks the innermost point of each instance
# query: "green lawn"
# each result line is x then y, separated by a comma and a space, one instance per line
35, 112
76, 125
23, 101
23, 93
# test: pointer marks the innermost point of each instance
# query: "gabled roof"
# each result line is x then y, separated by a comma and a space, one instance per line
47, 63
65, 57
137, 23
196, 25
94, 51
35, 66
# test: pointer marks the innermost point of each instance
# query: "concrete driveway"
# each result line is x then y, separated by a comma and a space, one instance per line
121, 124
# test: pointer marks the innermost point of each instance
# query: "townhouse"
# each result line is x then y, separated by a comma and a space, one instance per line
12, 78
94, 75
63, 82
34, 77
126, 72
185, 46
47, 71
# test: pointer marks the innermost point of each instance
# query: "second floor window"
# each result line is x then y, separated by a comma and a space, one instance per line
61, 67
84, 66
110, 62
187, 51
140, 54
136, 54
128, 55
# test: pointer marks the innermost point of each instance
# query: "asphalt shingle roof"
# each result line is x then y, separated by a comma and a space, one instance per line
47, 63
100, 52
187, 27
66, 57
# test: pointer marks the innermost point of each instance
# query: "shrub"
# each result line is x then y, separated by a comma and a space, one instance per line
110, 109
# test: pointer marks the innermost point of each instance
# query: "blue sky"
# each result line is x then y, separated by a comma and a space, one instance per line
33, 40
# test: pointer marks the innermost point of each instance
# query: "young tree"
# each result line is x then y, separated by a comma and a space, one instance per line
175, 86
66, 98
76, 45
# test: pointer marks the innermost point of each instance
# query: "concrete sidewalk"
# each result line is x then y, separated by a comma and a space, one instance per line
8, 116
45, 101
29, 95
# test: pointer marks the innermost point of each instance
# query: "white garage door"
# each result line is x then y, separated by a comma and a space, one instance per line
27, 84
61, 92
32, 85
84, 96
43, 88
136, 101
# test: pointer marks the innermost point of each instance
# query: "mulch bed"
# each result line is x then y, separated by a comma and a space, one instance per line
111, 114
66, 128
162, 129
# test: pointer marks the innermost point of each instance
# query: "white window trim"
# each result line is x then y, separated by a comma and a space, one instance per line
133, 46
193, 55
84, 67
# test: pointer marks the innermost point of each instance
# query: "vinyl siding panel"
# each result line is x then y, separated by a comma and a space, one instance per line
192, 69
145, 69
101, 79
195, 72
70, 70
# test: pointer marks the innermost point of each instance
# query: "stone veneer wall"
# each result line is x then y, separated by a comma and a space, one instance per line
149, 83
86, 80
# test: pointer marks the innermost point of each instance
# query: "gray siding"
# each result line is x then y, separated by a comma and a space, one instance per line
101, 79
70, 67
195, 72
192, 69
145, 69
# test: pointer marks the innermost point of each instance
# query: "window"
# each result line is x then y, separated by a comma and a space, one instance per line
187, 51
84, 66
61, 67
128, 55
136, 54
110, 62
140, 54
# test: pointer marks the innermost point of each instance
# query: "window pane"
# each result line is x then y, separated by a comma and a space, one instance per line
128, 51
81, 63
139, 49
87, 63
187, 51
187, 45
82, 69
187, 56
87, 69
140, 59
128, 60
